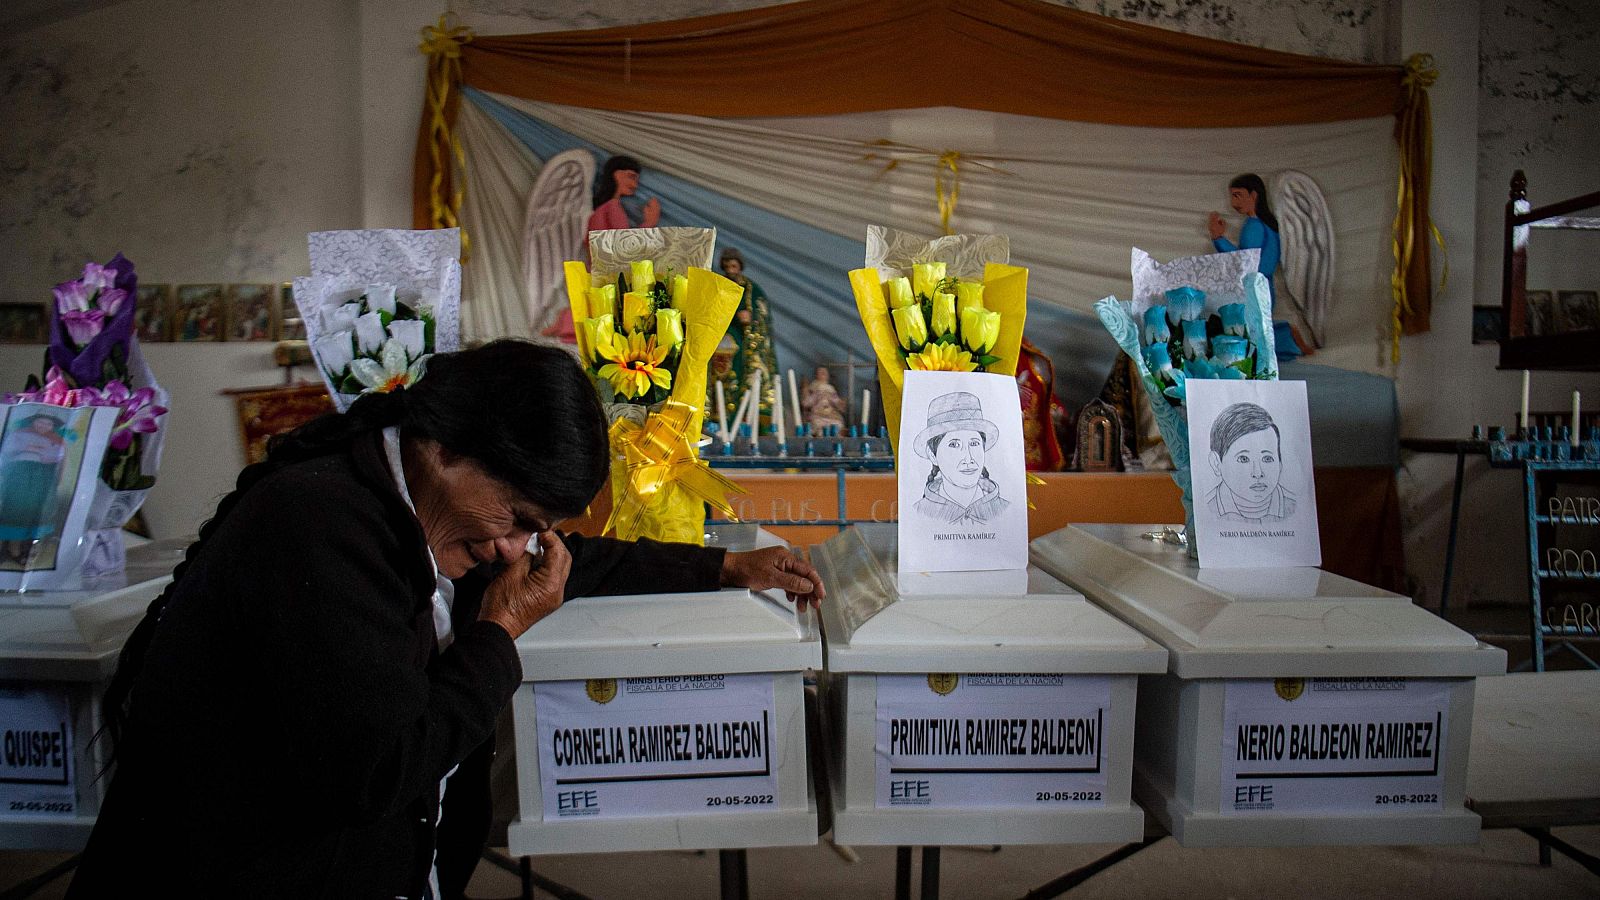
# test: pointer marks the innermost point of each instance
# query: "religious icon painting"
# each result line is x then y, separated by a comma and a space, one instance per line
290, 326
252, 312
962, 478
152, 316
198, 313
23, 323
1255, 504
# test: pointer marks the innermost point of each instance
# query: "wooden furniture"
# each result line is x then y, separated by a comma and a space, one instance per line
1522, 346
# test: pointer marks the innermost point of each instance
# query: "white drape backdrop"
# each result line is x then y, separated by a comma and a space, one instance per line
1073, 197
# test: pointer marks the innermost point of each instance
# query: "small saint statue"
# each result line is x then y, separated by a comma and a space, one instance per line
821, 402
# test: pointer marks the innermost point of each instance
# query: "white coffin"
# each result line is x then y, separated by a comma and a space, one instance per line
1300, 635
60, 647
881, 625
668, 636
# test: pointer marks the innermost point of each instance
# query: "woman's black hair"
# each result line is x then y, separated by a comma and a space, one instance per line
1250, 181
524, 412
605, 184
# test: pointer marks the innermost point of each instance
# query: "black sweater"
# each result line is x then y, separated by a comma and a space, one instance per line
293, 720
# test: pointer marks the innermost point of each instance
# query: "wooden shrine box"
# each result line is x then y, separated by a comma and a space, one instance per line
57, 651
973, 707
664, 722
1300, 707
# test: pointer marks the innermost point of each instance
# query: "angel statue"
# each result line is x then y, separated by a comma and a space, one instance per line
1302, 241
554, 229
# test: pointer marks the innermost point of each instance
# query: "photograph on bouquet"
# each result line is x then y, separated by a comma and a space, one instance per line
199, 313
152, 317
1250, 462
41, 463
23, 323
962, 482
252, 312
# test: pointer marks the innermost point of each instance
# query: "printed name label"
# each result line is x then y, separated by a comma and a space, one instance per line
36, 764
656, 746
1310, 745
991, 740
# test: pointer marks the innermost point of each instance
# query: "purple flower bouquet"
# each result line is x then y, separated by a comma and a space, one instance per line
94, 360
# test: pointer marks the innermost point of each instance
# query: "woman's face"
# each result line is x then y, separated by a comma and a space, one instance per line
732, 267
470, 517
1251, 468
959, 456
627, 182
1242, 201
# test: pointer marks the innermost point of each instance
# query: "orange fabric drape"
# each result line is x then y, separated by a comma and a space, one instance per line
827, 57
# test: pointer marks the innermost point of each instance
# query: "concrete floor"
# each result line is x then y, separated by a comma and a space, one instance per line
1502, 864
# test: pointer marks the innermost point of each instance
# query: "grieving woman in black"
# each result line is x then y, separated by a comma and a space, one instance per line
329, 661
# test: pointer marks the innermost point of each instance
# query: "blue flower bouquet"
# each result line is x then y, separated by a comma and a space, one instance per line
1219, 328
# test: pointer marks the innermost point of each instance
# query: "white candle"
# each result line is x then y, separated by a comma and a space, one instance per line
794, 399
1522, 417
738, 414
722, 413
755, 402
866, 408
1576, 440
777, 410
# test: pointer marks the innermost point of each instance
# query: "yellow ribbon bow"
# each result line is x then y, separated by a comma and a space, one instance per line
441, 43
660, 453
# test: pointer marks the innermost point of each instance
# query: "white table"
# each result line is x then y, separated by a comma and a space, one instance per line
1378, 690
57, 651
924, 643
631, 666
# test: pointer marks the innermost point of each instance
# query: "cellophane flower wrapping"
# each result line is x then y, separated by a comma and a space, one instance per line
950, 303
1214, 321
94, 359
377, 304
646, 331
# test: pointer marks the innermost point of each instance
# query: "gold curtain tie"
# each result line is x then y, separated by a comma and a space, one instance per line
946, 171
659, 453
1414, 133
442, 43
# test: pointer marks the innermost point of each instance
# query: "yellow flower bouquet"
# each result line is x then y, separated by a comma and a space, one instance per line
646, 339
933, 322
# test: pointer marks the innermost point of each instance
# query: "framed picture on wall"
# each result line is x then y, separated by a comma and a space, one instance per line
1578, 310
198, 313
1541, 312
152, 317
252, 312
291, 327
1486, 324
23, 323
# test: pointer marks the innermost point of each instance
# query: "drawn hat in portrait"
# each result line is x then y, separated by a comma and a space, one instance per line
958, 411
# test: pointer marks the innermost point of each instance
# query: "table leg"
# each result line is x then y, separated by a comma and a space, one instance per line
1450, 543
930, 873
902, 873
843, 516
735, 875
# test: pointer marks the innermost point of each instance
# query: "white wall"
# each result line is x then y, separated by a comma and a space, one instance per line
1515, 91
201, 139
226, 130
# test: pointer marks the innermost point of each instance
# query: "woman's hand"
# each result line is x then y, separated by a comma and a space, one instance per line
651, 214
774, 567
1216, 226
529, 588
